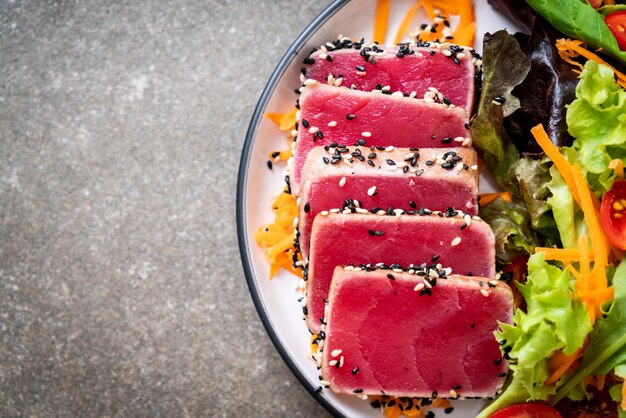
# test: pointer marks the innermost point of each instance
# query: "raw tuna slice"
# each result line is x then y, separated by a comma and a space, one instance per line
389, 337
337, 114
399, 178
450, 70
339, 239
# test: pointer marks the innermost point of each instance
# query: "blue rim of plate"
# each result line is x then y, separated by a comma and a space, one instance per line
290, 55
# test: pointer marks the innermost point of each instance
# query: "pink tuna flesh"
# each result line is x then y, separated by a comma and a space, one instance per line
395, 342
378, 120
327, 186
339, 239
412, 73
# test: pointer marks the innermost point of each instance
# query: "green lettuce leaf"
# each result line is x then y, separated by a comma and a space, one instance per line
504, 66
597, 119
552, 322
569, 219
511, 227
607, 342
532, 178
579, 20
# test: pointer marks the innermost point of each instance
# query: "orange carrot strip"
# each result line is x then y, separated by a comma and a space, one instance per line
406, 22
274, 117
560, 254
380, 22
466, 30
560, 363
288, 121
557, 158
570, 49
488, 197
623, 403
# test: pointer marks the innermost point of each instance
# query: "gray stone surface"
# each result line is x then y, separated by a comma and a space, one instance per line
121, 290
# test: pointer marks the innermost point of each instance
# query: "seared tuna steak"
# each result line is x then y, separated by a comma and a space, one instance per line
384, 335
433, 178
339, 239
449, 70
348, 117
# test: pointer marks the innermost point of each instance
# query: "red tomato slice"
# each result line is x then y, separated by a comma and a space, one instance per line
617, 23
613, 214
527, 410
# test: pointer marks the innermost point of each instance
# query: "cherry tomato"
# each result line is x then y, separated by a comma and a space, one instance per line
617, 23
527, 410
613, 214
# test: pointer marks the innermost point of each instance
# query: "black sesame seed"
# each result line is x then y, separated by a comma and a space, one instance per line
370, 162
275, 154
472, 325
325, 159
307, 207
361, 142
269, 164
329, 58
429, 163
390, 162
360, 68
499, 99
318, 389
448, 410
432, 53
350, 116
497, 362
308, 61
355, 371
358, 390
435, 258
372, 155
501, 375
446, 140
391, 276
412, 204
305, 123
457, 387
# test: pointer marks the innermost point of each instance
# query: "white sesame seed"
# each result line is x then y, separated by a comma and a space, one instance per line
419, 287
325, 383
346, 211
381, 213
392, 167
467, 142
357, 269
386, 88
347, 162
361, 73
332, 123
336, 352
446, 52
313, 129
460, 55
294, 133
298, 115
295, 221
302, 78
493, 282
456, 241
341, 360
335, 210
467, 219
371, 191
474, 167
398, 212
448, 271
323, 56
366, 134
303, 302
459, 139
498, 275
390, 148
428, 285
310, 82
453, 393
397, 94
362, 396
361, 210
324, 213
484, 292
330, 79
413, 95
338, 82
342, 182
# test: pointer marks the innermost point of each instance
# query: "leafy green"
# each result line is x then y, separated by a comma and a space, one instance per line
607, 341
504, 66
579, 20
612, 8
532, 178
569, 220
552, 322
511, 227
597, 119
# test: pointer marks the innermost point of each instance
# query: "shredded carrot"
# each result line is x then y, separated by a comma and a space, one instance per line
277, 237
623, 403
489, 197
404, 25
617, 166
399, 407
557, 158
288, 121
570, 49
560, 363
380, 22
565, 255
274, 117
466, 30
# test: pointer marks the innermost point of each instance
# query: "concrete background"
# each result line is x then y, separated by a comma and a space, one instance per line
121, 290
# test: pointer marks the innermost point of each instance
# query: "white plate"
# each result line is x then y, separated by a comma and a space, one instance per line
276, 300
